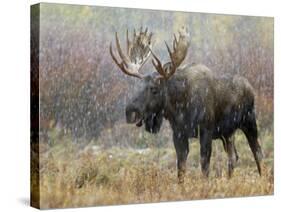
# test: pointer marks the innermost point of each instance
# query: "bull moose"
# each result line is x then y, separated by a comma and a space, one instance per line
195, 101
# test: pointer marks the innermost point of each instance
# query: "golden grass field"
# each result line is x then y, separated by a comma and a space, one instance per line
71, 176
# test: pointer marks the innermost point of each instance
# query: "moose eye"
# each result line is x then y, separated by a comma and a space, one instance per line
154, 91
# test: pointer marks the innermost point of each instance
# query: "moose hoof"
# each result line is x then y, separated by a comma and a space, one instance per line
181, 177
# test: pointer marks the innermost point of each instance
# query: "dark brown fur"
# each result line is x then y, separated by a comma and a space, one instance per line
198, 104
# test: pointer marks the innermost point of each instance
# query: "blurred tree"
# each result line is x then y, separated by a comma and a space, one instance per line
83, 92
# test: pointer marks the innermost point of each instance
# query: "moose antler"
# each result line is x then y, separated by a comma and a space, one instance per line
138, 51
180, 47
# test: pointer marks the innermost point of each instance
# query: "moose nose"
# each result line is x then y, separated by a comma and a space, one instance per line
132, 114
133, 117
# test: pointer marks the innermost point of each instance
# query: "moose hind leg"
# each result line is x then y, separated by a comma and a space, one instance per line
235, 151
182, 149
250, 130
205, 150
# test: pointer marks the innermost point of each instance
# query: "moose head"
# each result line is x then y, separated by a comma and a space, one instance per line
148, 106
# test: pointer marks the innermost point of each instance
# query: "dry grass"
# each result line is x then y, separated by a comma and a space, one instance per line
74, 177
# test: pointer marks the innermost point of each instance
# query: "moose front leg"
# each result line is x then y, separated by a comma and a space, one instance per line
232, 155
182, 150
205, 150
